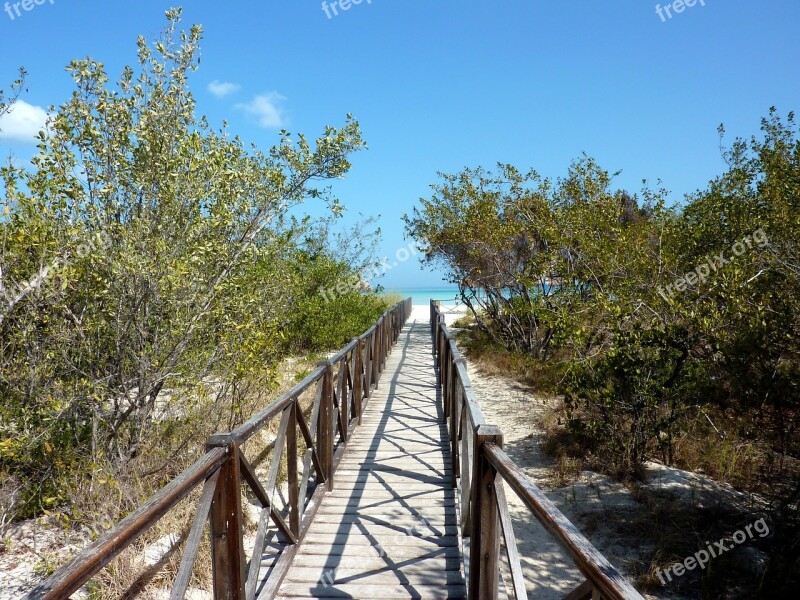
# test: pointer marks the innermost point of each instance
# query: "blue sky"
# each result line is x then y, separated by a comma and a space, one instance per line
439, 86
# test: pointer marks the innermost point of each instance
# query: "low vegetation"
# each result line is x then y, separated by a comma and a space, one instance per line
671, 332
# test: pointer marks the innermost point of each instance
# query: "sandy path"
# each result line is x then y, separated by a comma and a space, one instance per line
549, 573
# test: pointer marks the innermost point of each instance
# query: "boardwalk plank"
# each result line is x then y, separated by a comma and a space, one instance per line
347, 574
371, 592
389, 527
409, 564
391, 554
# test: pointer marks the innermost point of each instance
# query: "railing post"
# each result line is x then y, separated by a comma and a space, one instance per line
441, 342
451, 375
447, 377
227, 545
344, 396
435, 304
455, 398
368, 352
376, 355
358, 379
325, 433
291, 470
484, 552
387, 336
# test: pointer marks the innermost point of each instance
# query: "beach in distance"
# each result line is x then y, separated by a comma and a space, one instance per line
423, 296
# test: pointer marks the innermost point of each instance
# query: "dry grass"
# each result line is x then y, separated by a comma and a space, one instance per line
489, 358
464, 322
722, 453
10, 489
670, 528
572, 453
101, 499
132, 575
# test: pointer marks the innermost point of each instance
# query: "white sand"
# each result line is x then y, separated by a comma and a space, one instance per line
451, 312
548, 570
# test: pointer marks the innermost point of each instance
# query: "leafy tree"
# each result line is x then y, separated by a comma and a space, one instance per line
157, 271
657, 316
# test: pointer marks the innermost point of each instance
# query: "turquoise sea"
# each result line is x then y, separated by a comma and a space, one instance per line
446, 295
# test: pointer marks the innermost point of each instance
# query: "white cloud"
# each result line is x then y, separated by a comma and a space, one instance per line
22, 122
223, 88
265, 110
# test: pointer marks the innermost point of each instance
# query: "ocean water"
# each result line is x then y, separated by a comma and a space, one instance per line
423, 296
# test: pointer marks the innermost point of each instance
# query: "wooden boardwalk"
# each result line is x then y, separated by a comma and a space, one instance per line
389, 527
371, 510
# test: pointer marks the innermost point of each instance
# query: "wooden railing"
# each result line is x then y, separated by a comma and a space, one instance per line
341, 386
480, 466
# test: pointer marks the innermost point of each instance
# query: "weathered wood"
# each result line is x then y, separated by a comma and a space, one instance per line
454, 412
384, 528
398, 539
345, 574
433, 561
466, 477
510, 542
227, 551
182, 579
358, 383
374, 494
401, 555
583, 592
67, 580
338, 411
384, 592
291, 470
484, 553
325, 432
284, 562
311, 451
344, 402
446, 510
254, 572
594, 566
392, 515
369, 343
376, 363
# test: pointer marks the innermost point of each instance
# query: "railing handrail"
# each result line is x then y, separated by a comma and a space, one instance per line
255, 423
223, 469
590, 561
87, 563
477, 456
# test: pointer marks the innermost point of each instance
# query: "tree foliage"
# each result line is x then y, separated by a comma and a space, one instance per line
658, 316
153, 274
